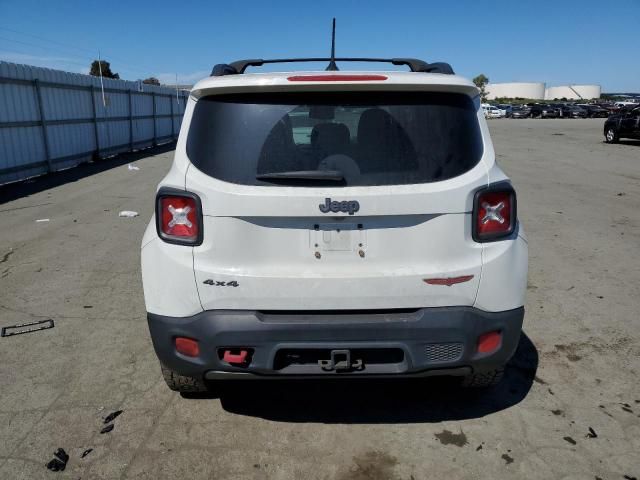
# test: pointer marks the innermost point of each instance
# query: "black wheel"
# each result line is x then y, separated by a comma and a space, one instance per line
182, 383
611, 135
486, 379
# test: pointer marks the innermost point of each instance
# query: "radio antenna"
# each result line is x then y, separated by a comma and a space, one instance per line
332, 64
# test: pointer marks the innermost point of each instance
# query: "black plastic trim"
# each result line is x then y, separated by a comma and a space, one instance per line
246, 329
239, 67
174, 192
503, 186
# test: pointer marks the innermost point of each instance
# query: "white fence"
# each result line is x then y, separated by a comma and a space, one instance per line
52, 120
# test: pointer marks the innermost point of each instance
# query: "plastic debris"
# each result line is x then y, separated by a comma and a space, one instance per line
133, 167
86, 452
59, 462
107, 429
24, 328
128, 214
42, 220
592, 433
112, 416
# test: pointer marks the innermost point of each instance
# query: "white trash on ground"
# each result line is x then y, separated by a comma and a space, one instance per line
128, 213
133, 167
41, 220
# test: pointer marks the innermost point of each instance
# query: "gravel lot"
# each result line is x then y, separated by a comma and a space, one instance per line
577, 366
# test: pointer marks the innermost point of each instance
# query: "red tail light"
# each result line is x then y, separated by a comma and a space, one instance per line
489, 342
187, 346
494, 213
179, 217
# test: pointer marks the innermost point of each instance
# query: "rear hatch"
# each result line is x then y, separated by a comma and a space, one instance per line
351, 200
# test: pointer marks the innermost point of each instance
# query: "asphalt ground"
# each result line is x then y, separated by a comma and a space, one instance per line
569, 406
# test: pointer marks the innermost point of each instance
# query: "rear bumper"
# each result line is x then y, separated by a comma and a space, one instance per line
428, 341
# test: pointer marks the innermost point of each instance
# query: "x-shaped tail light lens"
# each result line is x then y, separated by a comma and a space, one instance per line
494, 213
179, 218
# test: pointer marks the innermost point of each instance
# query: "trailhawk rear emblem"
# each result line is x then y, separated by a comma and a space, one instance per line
351, 206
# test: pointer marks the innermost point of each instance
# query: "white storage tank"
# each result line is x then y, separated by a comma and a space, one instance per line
533, 90
573, 92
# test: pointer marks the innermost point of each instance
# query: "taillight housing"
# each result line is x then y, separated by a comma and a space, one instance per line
179, 217
494, 213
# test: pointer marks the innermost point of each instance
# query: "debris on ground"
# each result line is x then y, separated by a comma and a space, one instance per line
109, 420
133, 167
570, 440
41, 220
128, 214
112, 416
6, 256
22, 328
507, 458
592, 433
59, 462
86, 452
107, 429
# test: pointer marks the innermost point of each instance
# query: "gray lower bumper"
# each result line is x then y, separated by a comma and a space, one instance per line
429, 341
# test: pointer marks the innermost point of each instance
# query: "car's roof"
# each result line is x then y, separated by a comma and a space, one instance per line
280, 81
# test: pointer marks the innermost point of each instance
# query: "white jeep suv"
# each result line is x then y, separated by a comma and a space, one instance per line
334, 224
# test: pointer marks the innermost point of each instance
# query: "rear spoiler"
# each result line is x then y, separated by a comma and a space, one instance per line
415, 65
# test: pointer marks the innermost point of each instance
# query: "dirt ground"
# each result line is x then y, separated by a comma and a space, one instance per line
569, 407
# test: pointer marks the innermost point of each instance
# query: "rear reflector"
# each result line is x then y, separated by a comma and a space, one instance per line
494, 213
179, 217
489, 342
235, 358
187, 346
336, 78
448, 281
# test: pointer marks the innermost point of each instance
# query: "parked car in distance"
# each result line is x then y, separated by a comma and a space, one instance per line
573, 111
542, 110
492, 112
594, 111
302, 231
625, 124
559, 107
507, 109
521, 112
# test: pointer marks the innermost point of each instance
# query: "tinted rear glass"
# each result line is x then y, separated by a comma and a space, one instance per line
369, 138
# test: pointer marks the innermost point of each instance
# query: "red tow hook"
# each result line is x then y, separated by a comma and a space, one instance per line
235, 359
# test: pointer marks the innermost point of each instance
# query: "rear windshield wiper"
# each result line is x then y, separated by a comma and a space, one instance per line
325, 175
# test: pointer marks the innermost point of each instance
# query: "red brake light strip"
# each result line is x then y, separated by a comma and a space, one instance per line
336, 78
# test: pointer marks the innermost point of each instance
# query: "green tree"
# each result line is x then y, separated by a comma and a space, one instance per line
151, 81
481, 82
97, 66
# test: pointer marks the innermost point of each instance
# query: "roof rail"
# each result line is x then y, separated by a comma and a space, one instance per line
415, 65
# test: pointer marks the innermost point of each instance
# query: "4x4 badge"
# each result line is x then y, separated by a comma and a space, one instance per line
351, 206
217, 283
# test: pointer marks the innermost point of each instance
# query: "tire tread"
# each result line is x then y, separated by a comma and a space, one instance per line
182, 383
483, 379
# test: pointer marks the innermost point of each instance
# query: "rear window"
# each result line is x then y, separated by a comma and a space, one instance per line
334, 139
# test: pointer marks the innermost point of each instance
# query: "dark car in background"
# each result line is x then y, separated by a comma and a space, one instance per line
594, 111
573, 111
542, 110
559, 107
520, 112
625, 124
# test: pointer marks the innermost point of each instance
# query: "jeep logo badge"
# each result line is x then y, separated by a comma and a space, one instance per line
351, 206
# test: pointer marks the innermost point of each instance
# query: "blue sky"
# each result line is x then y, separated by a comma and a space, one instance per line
556, 42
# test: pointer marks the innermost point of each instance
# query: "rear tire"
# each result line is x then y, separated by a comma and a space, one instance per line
182, 383
611, 136
486, 379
